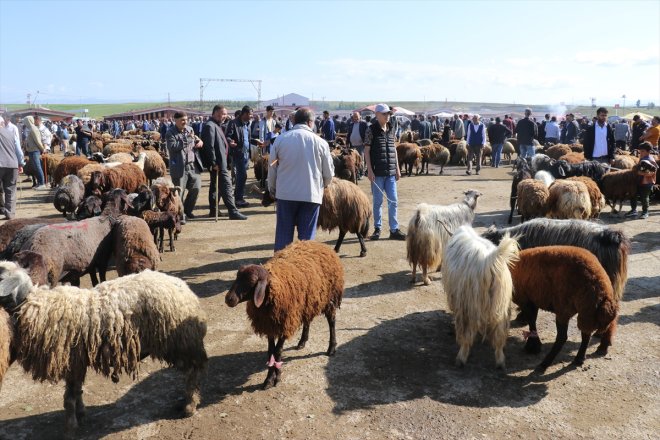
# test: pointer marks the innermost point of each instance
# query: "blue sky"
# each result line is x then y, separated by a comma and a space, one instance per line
536, 52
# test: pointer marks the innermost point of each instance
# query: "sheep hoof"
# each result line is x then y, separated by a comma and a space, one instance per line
577, 362
189, 410
300, 345
427, 281
601, 350
501, 367
460, 363
271, 379
331, 350
533, 346
363, 253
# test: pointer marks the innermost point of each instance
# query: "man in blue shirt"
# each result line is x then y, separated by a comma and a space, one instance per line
239, 137
328, 127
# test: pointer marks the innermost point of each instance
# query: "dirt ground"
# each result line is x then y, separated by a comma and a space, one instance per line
393, 376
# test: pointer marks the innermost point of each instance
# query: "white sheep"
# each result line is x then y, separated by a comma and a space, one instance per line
569, 199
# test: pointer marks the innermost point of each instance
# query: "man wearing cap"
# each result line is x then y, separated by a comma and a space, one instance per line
476, 139
599, 139
383, 167
526, 130
301, 166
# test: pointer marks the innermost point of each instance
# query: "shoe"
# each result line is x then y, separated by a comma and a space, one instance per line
242, 204
477, 173
632, 213
40, 187
397, 235
644, 215
237, 216
190, 215
376, 234
468, 172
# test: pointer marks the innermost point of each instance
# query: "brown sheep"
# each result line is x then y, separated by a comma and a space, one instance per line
532, 199
121, 157
565, 280
125, 176
619, 186
299, 283
10, 228
624, 162
577, 148
154, 165
261, 170
573, 157
345, 166
596, 197
85, 173
134, 246
569, 199
557, 151
69, 165
408, 154
486, 152
115, 147
6, 339
157, 222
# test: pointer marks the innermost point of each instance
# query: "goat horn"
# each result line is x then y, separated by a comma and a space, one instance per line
451, 234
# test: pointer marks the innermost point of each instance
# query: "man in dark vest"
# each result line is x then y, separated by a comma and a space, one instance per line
383, 165
476, 139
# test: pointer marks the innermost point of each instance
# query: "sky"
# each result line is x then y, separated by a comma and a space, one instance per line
532, 52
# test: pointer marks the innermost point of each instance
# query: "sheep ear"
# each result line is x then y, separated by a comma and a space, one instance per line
260, 292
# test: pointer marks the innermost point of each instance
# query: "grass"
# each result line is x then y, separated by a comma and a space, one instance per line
101, 110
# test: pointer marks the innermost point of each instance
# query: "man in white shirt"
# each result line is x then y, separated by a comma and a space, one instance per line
599, 139
301, 166
46, 136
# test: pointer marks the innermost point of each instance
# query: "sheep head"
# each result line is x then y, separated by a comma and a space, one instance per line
117, 200
15, 285
267, 199
251, 283
161, 195
471, 197
145, 200
35, 265
90, 207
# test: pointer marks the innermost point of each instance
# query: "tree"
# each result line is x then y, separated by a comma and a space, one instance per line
638, 103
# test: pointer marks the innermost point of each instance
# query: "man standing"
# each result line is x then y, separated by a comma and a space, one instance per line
301, 166
599, 139
83, 138
552, 134
383, 167
46, 134
526, 132
542, 132
458, 128
239, 136
214, 155
571, 130
424, 128
11, 159
638, 129
622, 134
497, 134
476, 139
357, 131
34, 147
508, 123
267, 128
328, 127
414, 125
185, 165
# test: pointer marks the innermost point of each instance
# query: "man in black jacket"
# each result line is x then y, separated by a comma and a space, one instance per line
599, 139
526, 131
497, 134
239, 137
638, 129
214, 156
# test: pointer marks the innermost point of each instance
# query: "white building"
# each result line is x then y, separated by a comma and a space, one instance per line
291, 99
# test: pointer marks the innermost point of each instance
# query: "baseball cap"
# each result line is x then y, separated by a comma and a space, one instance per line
382, 108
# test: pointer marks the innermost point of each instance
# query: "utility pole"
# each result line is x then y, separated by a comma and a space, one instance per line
624, 103
168, 99
203, 82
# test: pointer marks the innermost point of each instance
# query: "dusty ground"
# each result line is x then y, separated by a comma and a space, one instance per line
393, 375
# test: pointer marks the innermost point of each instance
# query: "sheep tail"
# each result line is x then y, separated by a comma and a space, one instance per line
507, 250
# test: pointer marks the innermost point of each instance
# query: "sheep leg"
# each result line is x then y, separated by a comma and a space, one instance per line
192, 391
161, 237
340, 239
464, 337
606, 339
579, 358
533, 345
171, 234
425, 277
414, 273
562, 336
304, 337
363, 248
274, 372
332, 347
73, 405
92, 275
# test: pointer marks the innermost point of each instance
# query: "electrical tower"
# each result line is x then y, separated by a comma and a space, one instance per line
593, 102
203, 82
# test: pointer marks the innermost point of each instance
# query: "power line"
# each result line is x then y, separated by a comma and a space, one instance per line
204, 82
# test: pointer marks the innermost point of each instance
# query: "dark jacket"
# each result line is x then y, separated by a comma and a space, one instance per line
178, 145
235, 133
414, 125
425, 130
214, 151
328, 130
382, 152
589, 137
362, 128
526, 130
638, 130
498, 133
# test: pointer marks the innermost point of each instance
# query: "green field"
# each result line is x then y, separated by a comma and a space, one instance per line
101, 110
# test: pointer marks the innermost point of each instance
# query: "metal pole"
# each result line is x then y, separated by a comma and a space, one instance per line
217, 194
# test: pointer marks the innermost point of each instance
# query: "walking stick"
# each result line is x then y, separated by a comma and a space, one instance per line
217, 194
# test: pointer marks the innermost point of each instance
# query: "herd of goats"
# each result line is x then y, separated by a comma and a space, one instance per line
121, 203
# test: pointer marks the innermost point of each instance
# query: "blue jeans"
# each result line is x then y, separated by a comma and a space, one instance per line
82, 147
526, 150
35, 158
241, 165
290, 214
388, 185
497, 154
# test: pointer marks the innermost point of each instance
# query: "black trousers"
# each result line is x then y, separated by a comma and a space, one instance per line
226, 191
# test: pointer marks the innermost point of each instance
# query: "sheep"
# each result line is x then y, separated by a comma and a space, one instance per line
565, 280
544, 177
69, 194
486, 152
406, 136
569, 199
435, 153
10, 228
514, 144
424, 142
429, 229
619, 186
117, 147
557, 151
522, 172
76, 248
577, 148
157, 222
408, 155
85, 173
561, 169
299, 283
91, 206
347, 208
49, 165
167, 197
121, 157
442, 158
69, 165
624, 162
125, 176
344, 164
6, 339
154, 166
573, 157
134, 247
540, 162
532, 199
461, 153
61, 332
19, 240
507, 151
478, 285
611, 246
595, 196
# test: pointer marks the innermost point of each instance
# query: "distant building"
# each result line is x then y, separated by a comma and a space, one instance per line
292, 100
153, 113
45, 113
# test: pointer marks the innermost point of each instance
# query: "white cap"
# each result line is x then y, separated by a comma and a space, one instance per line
382, 108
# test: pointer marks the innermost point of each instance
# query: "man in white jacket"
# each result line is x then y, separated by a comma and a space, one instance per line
301, 166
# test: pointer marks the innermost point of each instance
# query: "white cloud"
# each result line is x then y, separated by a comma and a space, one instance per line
619, 57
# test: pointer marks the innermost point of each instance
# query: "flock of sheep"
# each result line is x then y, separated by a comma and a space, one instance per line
56, 331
